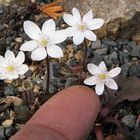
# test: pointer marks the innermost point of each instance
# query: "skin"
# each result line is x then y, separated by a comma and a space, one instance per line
69, 115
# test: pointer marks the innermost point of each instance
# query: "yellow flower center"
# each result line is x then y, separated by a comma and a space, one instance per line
82, 27
10, 68
43, 42
102, 76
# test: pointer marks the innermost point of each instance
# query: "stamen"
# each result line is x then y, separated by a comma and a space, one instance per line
102, 76
10, 68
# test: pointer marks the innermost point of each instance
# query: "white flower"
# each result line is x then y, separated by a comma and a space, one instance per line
11, 67
43, 41
82, 28
102, 77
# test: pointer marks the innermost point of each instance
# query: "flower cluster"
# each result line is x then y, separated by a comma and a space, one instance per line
43, 44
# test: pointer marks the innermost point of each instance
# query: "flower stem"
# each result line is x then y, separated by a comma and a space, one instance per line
48, 76
98, 132
85, 55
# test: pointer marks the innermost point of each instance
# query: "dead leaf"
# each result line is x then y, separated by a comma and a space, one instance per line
7, 123
129, 90
53, 10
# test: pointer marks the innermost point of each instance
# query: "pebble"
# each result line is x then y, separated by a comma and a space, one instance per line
52, 89
1, 8
22, 113
101, 51
114, 57
129, 120
9, 91
2, 136
70, 81
135, 52
96, 44
10, 131
134, 70
125, 69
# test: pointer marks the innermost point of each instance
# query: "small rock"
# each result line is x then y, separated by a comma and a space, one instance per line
135, 52
96, 44
97, 59
101, 51
52, 89
56, 82
2, 137
19, 39
16, 101
9, 91
134, 70
129, 120
109, 42
1, 8
125, 69
108, 61
10, 131
70, 81
7, 123
114, 57
22, 113
1, 27
123, 41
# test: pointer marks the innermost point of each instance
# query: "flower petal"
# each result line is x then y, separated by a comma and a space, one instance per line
59, 36
90, 35
23, 69
88, 17
95, 23
39, 54
70, 20
76, 14
78, 37
20, 58
99, 88
9, 56
3, 62
93, 69
12, 76
48, 27
71, 31
90, 81
54, 51
3, 76
111, 84
114, 72
32, 30
29, 46
102, 66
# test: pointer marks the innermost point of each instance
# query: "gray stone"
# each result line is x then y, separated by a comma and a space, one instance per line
101, 51
97, 59
108, 61
9, 131
70, 81
52, 89
135, 52
96, 44
134, 70
109, 42
1, 8
56, 82
114, 57
9, 91
1, 27
125, 69
129, 120
2, 137
122, 17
